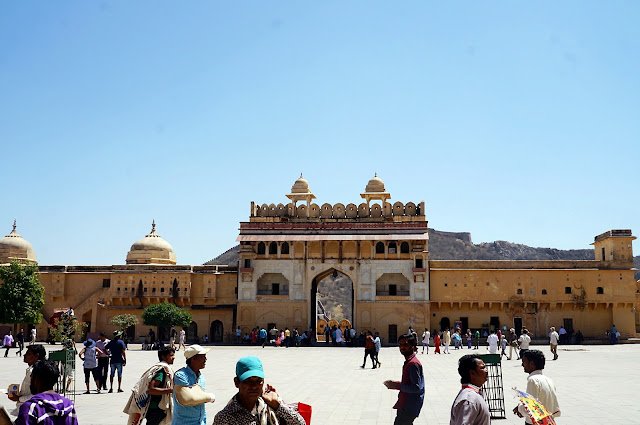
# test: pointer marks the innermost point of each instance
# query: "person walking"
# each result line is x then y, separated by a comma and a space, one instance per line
156, 386
469, 406
447, 340
492, 341
503, 346
20, 342
512, 339
538, 385
426, 336
172, 337
477, 336
436, 342
189, 396
7, 343
369, 350
263, 336
524, 341
103, 359
118, 359
411, 387
33, 336
377, 347
181, 339
554, 338
89, 358
255, 402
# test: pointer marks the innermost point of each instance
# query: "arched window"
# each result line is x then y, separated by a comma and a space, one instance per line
404, 248
261, 248
393, 248
519, 292
284, 248
379, 248
599, 290
544, 292
273, 248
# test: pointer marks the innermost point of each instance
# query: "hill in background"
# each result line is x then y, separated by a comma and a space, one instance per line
458, 246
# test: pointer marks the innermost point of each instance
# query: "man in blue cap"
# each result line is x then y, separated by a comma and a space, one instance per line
255, 402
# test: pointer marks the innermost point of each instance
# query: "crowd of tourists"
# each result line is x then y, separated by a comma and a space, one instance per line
162, 396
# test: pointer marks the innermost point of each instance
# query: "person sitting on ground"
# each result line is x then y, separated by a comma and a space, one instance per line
46, 407
151, 396
255, 403
31, 356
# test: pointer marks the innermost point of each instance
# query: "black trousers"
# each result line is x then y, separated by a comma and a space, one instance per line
155, 416
404, 418
103, 370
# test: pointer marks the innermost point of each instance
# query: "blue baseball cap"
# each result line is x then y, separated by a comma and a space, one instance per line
248, 367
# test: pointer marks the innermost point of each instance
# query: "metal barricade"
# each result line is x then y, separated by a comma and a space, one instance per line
65, 359
493, 389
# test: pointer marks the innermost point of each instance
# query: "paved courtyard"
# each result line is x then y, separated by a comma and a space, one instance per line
596, 384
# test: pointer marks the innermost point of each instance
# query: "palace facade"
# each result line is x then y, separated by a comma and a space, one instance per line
378, 252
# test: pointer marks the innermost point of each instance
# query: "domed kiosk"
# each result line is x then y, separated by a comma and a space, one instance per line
14, 247
375, 191
152, 249
300, 192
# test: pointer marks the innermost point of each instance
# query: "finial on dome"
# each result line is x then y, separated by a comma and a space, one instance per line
301, 176
14, 225
153, 226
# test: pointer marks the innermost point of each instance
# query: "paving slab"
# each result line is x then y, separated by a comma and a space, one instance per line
596, 384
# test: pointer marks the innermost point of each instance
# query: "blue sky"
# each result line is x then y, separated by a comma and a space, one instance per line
513, 121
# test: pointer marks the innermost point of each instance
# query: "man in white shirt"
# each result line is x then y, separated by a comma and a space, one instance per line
492, 340
33, 354
524, 341
538, 385
553, 342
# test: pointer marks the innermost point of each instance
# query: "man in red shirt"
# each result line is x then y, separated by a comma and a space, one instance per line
411, 396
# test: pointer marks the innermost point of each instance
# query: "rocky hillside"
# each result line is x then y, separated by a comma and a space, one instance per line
458, 246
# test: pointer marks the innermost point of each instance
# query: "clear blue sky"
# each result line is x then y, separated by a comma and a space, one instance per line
514, 121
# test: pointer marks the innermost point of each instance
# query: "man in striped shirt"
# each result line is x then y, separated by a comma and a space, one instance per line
46, 407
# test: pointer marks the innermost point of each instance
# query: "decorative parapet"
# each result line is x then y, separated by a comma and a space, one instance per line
337, 211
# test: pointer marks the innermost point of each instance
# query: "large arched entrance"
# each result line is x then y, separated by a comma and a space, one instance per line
331, 300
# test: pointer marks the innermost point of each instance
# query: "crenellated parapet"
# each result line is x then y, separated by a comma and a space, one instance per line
338, 211
375, 207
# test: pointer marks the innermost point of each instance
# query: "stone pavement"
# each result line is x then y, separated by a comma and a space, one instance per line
595, 383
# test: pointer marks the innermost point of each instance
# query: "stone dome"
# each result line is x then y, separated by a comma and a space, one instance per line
152, 249
375, 185
300, 186
14, 247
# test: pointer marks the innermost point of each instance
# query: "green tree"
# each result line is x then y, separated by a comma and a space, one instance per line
124, 321
66, 330
166, 314
21, 294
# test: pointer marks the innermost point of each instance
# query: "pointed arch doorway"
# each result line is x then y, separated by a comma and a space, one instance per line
331, 299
